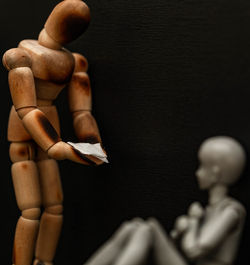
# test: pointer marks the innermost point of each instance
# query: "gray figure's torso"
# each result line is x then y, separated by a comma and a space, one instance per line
225, 252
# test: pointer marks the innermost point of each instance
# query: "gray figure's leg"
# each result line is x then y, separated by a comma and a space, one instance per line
165, 252
136, 250
109, 252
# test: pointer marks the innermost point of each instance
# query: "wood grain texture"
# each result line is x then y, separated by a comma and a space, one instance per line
79, 92
81, 63
86, 128
24, 243
68, 20
22, 87
20, 151
15, 58
48, 62
49, 232
50, 182
16, 130
26, 184
41, 129
165, 75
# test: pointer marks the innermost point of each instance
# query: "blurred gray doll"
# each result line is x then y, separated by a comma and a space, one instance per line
205, 236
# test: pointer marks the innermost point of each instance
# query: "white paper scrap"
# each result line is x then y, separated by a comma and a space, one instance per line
90, 149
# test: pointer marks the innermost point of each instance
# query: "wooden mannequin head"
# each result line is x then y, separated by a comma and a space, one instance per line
222, 160
68, 20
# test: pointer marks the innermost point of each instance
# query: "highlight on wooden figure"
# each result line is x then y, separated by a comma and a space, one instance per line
204, 236
38, 71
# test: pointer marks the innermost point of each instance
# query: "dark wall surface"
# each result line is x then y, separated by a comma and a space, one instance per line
165, 74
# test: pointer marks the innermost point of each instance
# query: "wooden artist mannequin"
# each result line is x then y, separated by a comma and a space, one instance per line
38, 71
205, 236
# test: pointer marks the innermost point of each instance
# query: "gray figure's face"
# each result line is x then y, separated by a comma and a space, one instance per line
203, 176
208, 172
222, 160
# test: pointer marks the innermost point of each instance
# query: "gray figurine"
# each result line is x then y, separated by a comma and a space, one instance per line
205, 236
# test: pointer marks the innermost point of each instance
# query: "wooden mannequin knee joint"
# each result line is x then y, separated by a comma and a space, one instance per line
32, 213
26, 184
21, 151
54, 209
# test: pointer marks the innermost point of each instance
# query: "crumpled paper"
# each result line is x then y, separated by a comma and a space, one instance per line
90, 149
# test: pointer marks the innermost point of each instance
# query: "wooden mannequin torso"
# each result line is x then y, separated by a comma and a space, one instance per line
52, 69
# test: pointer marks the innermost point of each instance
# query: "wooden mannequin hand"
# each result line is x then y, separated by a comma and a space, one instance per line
62, 150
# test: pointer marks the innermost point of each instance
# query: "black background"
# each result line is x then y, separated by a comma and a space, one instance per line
165, 74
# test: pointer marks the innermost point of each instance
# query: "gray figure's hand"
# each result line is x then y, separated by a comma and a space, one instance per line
180, 226
196, 210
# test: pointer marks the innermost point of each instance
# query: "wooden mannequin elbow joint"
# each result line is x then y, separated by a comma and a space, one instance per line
22, 112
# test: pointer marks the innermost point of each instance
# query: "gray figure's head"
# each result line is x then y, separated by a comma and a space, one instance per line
222, 160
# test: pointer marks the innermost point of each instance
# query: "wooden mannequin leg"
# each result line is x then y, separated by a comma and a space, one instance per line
51, 221
26, 186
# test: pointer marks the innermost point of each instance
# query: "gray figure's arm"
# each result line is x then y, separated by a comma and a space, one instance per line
200, 240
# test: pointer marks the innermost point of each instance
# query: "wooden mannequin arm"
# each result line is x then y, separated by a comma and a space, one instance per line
23, 93
199, 241
80, 103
